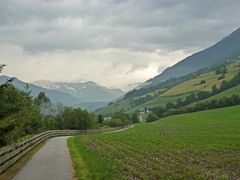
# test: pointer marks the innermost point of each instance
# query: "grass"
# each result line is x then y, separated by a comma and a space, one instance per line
12, 171
211, 78
88, 164
202, 145
227, 93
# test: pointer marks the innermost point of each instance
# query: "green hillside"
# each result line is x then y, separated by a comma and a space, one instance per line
227, 93
210, 79
159, 101
198, 82
202, 145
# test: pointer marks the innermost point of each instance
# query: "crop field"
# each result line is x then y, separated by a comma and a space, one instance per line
198, 145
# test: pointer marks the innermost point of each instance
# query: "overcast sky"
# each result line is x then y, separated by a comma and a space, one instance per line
112, 42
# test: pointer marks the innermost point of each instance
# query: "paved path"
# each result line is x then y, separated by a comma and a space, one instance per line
51, 162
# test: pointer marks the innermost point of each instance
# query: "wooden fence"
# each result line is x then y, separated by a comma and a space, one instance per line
12, 153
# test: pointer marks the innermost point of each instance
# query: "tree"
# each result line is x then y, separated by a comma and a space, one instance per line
44, 104
202, 95
170, 105
202, 82
125, 118
159, 111
42, 99
151, 117
135, 118
214, 89
18, 115
180, 102
100, 119
74, 118
118, 119
221, 70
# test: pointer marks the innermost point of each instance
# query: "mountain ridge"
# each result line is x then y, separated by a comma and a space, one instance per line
226, 49
87, 91
55, 96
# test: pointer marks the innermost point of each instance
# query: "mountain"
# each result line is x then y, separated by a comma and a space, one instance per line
55, 96
87, 95
226, 49
176, 90
88, 92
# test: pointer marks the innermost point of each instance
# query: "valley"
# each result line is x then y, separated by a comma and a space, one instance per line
173, 111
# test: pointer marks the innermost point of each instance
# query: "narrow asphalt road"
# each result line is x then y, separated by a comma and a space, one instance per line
51, 162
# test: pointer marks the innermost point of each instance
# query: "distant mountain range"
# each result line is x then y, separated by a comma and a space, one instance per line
55, 96
88, 95
86, 91
226, 49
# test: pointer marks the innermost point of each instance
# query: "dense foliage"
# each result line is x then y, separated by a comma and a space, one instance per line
118, 119
74, 118
18, 114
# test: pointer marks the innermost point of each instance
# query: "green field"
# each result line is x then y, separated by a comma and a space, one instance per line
227, 93
202, 145
211, 78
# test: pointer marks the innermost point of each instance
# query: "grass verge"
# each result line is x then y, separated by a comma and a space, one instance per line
88, 164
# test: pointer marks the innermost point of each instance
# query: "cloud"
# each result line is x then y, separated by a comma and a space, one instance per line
39, 25
111, 42
110, 67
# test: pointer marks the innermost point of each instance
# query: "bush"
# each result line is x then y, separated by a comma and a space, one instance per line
202, 82
113, 122
151, 117
118, 119
135, 118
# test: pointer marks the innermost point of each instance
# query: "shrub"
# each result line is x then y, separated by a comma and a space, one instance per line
202, 82
113, 122
151, 117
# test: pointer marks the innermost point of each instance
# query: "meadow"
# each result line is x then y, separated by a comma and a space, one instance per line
227, 93
199, 145
210, 79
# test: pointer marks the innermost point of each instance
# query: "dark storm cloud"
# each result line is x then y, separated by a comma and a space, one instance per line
41, 25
